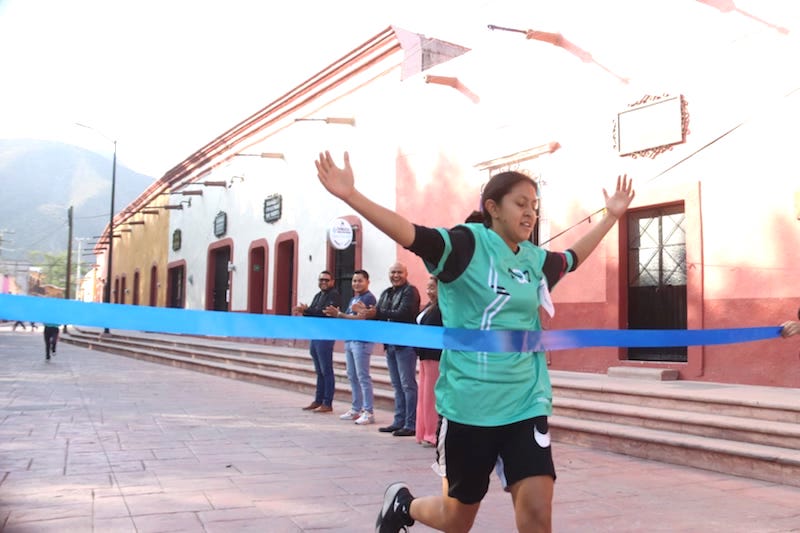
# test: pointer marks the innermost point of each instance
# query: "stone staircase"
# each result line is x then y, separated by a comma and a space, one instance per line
286, 366
741, 430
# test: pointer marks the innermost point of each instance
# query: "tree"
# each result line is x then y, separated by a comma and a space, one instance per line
53, 267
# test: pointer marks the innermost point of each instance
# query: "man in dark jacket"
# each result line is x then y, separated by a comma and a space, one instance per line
400, 303
322, 350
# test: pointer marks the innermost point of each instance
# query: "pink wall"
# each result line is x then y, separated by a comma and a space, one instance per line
594, 296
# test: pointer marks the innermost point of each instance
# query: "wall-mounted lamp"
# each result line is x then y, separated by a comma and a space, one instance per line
234, 178
330, 120
231, 266
455, 84
187, 203
264, 155
518, 157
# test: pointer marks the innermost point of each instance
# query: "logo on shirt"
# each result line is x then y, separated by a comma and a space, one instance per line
521, 276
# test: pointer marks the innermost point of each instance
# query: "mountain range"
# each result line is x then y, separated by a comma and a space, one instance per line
40, 180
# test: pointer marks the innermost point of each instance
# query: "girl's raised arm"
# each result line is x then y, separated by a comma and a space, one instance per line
340, 182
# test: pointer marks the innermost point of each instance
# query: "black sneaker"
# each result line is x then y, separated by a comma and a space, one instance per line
394, 516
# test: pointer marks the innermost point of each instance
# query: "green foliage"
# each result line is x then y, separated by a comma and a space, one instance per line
54, 267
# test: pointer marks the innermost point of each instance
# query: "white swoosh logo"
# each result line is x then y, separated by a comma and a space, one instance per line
542, 439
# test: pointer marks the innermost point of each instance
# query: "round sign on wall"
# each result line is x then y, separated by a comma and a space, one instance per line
340, 234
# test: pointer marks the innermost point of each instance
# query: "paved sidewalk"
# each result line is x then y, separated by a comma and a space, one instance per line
94, 442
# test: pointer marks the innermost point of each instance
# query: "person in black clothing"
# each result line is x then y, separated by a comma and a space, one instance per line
322, 350
50, 339
399, 303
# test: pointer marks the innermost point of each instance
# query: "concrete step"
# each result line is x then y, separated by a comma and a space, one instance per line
280, 373
732, 428
768, 463
699, 397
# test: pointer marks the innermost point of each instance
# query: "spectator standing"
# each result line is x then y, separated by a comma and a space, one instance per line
322, 350
427, 417
358, 353
400, 303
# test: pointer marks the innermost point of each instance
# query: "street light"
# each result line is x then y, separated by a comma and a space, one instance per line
107, 288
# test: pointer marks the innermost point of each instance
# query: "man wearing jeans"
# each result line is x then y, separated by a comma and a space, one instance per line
357, 353
322, 350
400, 303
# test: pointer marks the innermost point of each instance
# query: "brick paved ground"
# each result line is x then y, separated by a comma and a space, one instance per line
93, 442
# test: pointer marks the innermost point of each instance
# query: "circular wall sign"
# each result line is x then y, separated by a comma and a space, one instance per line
340, 234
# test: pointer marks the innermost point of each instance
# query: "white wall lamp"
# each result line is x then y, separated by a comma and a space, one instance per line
234, 178
350, 121
264, 155
450, 81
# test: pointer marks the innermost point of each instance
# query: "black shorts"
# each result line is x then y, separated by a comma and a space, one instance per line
466, 455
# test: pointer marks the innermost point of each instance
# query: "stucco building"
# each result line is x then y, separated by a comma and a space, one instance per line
698, 103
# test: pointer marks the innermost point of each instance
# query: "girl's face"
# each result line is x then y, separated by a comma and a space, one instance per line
515, 216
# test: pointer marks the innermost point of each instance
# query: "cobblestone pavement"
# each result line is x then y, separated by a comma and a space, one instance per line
94, 442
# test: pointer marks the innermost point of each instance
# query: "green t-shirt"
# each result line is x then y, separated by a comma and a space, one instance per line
498, 290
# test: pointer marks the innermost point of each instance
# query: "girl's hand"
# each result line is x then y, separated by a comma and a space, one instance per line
338, 181
617, 204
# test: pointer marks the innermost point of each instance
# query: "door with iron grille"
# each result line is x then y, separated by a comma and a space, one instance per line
657, 277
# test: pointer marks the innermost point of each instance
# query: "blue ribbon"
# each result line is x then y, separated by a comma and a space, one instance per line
223, 324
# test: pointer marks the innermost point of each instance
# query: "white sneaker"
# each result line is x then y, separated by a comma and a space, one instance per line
349, 415
365, 418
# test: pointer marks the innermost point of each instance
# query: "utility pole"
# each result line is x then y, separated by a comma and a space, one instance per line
2, 234
78, 278
69, 253
69, 259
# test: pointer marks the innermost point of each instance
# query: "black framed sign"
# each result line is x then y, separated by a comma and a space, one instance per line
272, 208
220, 224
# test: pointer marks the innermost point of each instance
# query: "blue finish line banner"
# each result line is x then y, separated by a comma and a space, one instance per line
224, 324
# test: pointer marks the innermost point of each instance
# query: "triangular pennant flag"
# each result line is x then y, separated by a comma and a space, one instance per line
422, 53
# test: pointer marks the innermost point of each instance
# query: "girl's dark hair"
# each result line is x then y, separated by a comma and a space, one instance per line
498, 186
475, 216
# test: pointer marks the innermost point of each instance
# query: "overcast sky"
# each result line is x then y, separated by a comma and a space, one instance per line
164, 77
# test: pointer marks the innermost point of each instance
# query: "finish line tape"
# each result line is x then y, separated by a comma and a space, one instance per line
225, 324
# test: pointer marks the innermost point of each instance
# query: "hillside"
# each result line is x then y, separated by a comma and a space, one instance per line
40, 180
